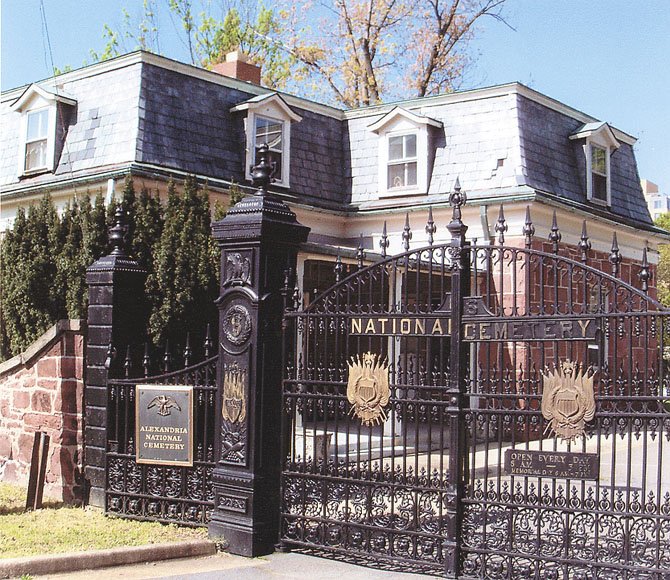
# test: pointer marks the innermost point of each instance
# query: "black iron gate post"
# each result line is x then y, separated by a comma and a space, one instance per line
460, 280
116, 316
259, 240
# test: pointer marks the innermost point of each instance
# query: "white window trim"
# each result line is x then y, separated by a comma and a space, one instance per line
396, 123
273, 107
600, 135
286, 146
588, 146
36, 98
50, 137
421, 156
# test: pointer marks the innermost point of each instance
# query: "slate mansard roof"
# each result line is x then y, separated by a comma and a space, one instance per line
147, 113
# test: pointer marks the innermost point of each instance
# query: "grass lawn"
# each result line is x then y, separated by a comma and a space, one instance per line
57, 528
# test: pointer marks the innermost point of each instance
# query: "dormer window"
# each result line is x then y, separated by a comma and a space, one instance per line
269, 121
44, 117
599, 145
404, 152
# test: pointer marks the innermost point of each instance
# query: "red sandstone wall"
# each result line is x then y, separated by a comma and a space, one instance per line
42, 390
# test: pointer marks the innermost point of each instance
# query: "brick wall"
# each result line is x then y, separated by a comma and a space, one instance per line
42, 390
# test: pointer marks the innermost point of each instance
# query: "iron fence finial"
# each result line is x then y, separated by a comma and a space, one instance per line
406, 233
555, 234
501, 226
528, 229
431, 228
645, 272
584, 243
384, 241
615, 256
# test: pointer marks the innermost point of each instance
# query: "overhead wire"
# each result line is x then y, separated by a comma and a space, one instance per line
46, 44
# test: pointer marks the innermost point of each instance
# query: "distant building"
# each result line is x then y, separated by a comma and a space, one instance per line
657, 202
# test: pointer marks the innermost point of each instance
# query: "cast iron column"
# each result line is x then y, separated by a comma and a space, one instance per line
259, 240
116, 316
460, 287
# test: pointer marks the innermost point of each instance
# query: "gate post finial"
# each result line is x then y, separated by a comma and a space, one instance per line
261, 173
118, 233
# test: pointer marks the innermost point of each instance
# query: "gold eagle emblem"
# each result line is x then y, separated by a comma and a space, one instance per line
368, 388
234, 407
568, 401
164, 404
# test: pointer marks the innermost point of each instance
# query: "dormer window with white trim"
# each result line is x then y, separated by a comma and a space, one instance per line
404, 152
269, 121
599, 145
44, 116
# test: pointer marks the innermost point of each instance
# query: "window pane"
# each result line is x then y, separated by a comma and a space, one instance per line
37, 125
396, 175
395, 148
36, 155
599, 187
411, 173
269, 131
410, 146
598, 160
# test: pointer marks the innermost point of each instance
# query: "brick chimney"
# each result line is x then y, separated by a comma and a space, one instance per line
237, 66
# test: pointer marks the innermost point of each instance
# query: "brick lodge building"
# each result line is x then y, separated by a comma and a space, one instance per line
355, 177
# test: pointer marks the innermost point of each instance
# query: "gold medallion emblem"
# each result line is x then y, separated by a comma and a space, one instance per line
234, 407
568, 401
368, 388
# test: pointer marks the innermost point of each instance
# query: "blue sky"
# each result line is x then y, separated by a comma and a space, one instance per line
608, 58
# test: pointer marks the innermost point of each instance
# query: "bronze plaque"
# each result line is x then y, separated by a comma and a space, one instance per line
552, 464
164, 424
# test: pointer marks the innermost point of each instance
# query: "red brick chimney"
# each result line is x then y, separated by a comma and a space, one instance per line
237, 66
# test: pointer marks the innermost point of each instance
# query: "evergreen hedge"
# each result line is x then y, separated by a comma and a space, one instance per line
43, 262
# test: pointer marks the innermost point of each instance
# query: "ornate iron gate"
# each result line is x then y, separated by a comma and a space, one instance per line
481, 411
169, 494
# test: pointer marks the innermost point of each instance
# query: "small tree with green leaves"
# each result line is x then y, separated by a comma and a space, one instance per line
663, 268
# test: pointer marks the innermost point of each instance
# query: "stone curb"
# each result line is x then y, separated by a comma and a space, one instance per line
76, 561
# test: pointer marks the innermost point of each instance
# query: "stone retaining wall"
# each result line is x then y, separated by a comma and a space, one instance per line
42, 389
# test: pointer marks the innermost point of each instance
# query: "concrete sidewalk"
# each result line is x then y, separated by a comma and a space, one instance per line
278, 566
